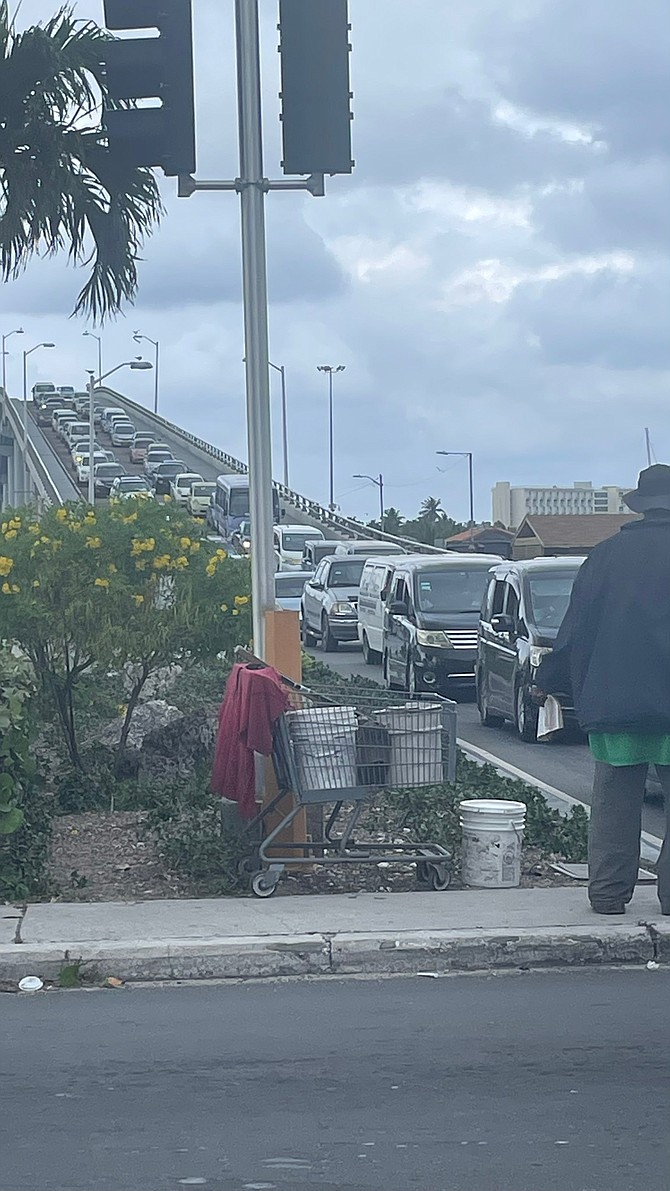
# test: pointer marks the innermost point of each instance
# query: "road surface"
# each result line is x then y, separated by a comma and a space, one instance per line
523, 1082
568, 767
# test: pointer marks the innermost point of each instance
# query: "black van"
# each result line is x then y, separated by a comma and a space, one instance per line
429, 642
521, 615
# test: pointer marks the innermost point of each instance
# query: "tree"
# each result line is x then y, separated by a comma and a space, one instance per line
431, 523
59, 186
134, 585
393, 523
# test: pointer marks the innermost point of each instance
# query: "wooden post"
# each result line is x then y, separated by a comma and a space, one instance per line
284, 652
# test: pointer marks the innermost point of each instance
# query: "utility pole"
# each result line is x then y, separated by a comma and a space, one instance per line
156, 345
284, 417
379, 483
18, 331
330, 370
467, 455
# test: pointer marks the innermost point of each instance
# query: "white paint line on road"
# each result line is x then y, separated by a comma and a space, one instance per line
650, 844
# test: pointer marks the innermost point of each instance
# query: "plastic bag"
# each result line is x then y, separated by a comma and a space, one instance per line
550, 719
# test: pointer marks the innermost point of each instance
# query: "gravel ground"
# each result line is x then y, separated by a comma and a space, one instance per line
104, 857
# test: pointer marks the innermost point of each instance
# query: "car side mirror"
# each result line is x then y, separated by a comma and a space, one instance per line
316, 586
398, 608
503, 624
283, 514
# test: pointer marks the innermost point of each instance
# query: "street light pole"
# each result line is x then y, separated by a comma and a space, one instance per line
379, 483
284, 417
138, 365
25, 411
138, 339
92, 335
331, 370
18, 331
467, 455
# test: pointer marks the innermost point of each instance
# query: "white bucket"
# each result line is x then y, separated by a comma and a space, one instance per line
324, 746
492, 836
416, 743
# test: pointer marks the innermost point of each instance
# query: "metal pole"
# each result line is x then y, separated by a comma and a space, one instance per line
155, 380
254, 279
99, 355
284, 422
4, 363
472, 497
648, 445
25, 426
331, 439
91, 442
381, 500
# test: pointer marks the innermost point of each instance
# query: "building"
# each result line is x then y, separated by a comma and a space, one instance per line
511, 505
543, 536
483, 539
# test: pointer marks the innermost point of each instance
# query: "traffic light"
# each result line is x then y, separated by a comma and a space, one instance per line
151, 68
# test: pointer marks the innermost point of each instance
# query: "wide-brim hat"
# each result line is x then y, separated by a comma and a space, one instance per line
653, 490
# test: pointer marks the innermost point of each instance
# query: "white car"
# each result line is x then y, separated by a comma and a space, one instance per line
61, 415
125, 487
81, 448
289, 589
182, 484
74, 432
290, 542
200, 498
154, 456
123, 434
83, 468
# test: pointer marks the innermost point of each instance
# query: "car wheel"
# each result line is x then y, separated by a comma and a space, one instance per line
390, 685
308, 638
488, 719
526, 716
328, 642
370, 656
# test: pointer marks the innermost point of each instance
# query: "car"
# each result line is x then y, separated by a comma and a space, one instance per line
46, 410
60, 418
429, 642
164, 474
139, 447
127, 486
290, 542
97, 415
83, 469
289, 589
200, 498
330, 602
43, 389
74, 431
105, 475
67, 393
154, 456
522, 611
180, 489
241, 540
123, 434
82, 403
107, 412
376, 582
81, 447
314, 551
65, 422
368, 547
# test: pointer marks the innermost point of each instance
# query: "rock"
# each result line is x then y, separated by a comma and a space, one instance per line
157, 684
148, 717
183, 743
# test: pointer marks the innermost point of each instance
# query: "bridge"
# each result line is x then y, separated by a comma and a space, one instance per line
34, 467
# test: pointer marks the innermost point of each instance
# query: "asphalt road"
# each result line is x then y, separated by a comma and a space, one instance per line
567, 766
528, 1082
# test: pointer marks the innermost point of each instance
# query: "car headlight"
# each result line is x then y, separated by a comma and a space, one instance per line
537, 653
433, 637
343, 608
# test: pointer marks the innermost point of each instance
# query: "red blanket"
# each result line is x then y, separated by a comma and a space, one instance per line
252, 704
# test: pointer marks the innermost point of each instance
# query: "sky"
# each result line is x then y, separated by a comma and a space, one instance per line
494, 276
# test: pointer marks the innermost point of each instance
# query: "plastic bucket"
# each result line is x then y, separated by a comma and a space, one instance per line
416, 743
492, 831
324, 747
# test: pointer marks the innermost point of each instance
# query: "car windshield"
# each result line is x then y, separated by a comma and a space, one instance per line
108, 471
185, 481
169, 469
239, 502
294, 543
346, 573
143, 440
549, 596
203, 489
154, 456
290, 586
451, 590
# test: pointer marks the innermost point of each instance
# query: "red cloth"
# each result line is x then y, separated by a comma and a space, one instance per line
253, 701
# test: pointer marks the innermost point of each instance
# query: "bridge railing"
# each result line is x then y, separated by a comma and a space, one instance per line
326, 517
49, 490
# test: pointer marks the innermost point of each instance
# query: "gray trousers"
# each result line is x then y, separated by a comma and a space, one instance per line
614, 833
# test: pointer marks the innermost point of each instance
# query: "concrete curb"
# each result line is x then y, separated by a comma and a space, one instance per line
346, 954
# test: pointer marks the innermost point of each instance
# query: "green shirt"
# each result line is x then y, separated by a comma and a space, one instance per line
630, 748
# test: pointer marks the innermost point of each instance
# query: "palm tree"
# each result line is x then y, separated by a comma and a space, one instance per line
59, 186
431, 510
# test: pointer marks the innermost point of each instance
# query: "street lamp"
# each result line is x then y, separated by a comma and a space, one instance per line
5, 353
25, 409
138, 365
92, 335
331, 370
466, 455
284, 416
138, 339
379, 482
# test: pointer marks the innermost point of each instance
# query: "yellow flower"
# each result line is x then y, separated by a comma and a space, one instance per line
122, 708
112, 569
221, 554
4, 527
224, 607
6, 564
240, 601
15, 523
102, 583
93, 543
15, 588
139, 599
11, 533
129, 519
162, 561
6, 589
236, 612
61, 515
184, 543
141, 565
44, 540
195, 546
90, 518
36, 583
210, 569
181, 563
33, 529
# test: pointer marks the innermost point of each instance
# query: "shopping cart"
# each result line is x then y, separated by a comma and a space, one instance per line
344, 748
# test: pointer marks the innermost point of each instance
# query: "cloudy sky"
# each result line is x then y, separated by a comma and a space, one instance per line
495, 275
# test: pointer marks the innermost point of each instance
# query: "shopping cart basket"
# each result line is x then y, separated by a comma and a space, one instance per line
344, 748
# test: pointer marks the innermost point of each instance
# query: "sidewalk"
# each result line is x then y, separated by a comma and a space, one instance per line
342, 934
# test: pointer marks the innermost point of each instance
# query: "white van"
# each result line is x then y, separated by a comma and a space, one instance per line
107, 413
376, 582
369, 546
290, 540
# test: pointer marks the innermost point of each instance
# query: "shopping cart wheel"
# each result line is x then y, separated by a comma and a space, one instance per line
248, 865
422, 873
439, 877
263, 884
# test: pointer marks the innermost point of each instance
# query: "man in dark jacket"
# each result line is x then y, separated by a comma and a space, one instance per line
613, 652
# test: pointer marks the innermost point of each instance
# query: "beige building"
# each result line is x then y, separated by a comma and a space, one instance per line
511, 504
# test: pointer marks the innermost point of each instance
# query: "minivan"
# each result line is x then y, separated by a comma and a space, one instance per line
44, 388
290, 542
107, 413
522, 611
369, 546
375, 584
432, 620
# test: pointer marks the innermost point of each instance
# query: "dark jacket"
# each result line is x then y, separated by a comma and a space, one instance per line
613, 648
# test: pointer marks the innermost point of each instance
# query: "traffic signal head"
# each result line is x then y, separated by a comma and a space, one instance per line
151, 68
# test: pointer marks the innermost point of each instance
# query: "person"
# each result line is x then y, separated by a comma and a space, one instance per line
613, 653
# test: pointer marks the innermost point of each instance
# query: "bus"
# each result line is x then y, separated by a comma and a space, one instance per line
230, 505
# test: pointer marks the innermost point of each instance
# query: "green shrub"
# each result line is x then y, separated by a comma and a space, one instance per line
25, 812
